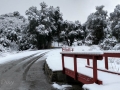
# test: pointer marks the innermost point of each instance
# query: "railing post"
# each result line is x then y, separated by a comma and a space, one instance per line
106, 62
88, 62
63, 65
95, 69
75, 67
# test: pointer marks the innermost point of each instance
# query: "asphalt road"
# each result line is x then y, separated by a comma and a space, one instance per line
24, 74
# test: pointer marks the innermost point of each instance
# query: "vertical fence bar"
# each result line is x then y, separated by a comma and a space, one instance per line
88, 62
75, 67
63, 65
106, 62
95, 69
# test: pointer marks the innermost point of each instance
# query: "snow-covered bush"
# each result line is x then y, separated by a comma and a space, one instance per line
116, 47
89, 40
16, 13
108, 43
2, 48
12, 26
79, 43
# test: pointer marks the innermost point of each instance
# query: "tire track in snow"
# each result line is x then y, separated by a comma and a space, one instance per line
14, 76
9, 65
29, 65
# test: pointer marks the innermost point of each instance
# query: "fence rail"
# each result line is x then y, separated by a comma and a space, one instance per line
94, 57
67, 49
74, 74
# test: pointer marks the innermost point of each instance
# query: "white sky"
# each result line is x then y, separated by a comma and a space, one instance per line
72, 9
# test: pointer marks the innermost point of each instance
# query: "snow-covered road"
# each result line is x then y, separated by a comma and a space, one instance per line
24, 74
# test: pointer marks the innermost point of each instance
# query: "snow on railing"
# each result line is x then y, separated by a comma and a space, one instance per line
67, 49
78, 76
111, 62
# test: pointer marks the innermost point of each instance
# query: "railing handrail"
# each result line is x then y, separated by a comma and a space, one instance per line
95, 57
89, 55
67, 49
84, 53
110, 54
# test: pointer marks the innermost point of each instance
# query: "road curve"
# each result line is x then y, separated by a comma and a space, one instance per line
24, 74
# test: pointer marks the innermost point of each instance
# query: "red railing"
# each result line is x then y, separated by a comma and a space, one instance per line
106, 55
110, 54
78, 76
67, 49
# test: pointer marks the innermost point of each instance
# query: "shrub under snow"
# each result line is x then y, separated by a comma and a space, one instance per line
108, 43
116, 47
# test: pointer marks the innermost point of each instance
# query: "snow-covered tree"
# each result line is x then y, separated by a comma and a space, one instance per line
97, 22
11, 27
108, 43
115, 19
72, 31
68, 28
79, 29
56, 21
89, 39
44, 24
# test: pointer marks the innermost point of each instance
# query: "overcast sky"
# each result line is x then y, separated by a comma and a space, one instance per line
72, 9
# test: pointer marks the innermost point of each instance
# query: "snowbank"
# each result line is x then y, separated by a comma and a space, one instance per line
55, 63
112, 86
16, 56
60, 87
54, 60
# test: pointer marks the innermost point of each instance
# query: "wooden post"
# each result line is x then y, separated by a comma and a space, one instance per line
63, 65
75, 67
88, 62
95, 69
106, 62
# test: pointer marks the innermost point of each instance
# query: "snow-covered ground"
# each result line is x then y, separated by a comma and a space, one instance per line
12, 56
60, 87
111, 82
55, 63
54, 57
